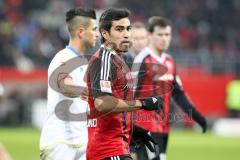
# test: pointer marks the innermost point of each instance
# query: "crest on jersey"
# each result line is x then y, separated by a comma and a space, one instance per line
154, 99
105, 86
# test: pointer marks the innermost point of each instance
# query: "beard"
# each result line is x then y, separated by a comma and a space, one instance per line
89, 44
123, 47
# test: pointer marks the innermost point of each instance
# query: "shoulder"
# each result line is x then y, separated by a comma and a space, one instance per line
105, 55
101, 56
62, 57
101, 60
168, 57
58, 59
142, 56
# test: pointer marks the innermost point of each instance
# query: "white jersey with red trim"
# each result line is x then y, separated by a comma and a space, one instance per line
55, 129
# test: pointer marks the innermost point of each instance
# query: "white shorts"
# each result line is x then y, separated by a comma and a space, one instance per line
63, 151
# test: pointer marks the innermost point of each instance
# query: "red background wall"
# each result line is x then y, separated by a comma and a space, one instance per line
207, 91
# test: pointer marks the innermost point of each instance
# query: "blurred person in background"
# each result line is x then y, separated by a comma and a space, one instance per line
233, 98
139, 38
67, 138
156, 75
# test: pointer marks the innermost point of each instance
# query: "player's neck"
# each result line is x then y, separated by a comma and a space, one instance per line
78, 46
155, 50
133, 53
119, 54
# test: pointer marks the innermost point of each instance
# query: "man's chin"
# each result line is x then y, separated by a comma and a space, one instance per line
91, 45
124, 49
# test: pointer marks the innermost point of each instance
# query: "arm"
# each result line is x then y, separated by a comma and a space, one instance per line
111, 104
67, 88
182, 100
102, 75
108, 103
61, 79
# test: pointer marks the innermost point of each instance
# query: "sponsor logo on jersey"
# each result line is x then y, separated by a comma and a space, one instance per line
105, 86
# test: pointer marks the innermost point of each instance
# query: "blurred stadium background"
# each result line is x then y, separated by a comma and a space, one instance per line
205, 45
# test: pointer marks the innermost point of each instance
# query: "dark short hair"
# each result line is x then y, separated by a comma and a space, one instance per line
80, 12
106, 18
157, 21
78, 16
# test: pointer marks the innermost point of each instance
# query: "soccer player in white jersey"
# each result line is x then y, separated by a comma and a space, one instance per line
64, 134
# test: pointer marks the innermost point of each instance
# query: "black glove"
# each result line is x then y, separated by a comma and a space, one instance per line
152, 103
141, 138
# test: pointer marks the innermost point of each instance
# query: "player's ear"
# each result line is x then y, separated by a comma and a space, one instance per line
80, 32
105, 34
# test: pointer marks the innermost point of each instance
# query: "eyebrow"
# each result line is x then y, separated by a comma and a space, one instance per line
122, 27
119, 26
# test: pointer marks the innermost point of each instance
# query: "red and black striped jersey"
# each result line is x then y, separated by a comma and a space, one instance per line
155, 76
108, 75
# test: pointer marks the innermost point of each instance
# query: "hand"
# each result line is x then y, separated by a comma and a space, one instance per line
152, 103
141, 138
84, 95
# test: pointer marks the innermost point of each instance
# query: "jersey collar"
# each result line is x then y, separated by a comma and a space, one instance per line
74, 51
105, 47
158, 58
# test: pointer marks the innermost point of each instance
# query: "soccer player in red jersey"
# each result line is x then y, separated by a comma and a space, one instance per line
110, 92
155, 72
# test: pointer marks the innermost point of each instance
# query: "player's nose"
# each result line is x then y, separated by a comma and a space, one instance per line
127, 34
